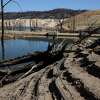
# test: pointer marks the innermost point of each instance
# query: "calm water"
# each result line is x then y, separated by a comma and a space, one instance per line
19, 47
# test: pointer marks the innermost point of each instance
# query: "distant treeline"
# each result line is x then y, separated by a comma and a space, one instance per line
54, 14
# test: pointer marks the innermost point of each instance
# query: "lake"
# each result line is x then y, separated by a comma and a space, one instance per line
19, 47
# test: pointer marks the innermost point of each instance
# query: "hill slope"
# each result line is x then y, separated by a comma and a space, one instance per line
56, 13
83, 20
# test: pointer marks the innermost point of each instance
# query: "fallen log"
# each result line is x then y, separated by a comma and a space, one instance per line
41, 59
53, 50
31, 70
13, 73
27, 58
22, 89
58, 50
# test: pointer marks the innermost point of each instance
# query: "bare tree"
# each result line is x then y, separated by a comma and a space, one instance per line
2, 23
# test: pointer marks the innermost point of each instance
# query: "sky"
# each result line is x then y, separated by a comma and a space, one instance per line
42, 5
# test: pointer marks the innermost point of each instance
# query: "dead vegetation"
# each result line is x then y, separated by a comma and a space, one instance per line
54, 74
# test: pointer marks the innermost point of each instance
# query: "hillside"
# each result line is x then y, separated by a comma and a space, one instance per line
56, 13
83, 20
90, 17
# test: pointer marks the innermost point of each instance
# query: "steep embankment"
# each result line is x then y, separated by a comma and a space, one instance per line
83, 20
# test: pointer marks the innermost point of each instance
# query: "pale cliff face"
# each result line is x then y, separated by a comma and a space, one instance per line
47, 23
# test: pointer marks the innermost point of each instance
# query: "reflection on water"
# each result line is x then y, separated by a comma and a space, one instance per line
19, 47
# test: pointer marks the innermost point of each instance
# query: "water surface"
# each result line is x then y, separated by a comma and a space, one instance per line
19, 47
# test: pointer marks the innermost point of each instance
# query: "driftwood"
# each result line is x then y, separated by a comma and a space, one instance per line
31, 70
27, 58
5, 75
41, 59
54, 49
54, 52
